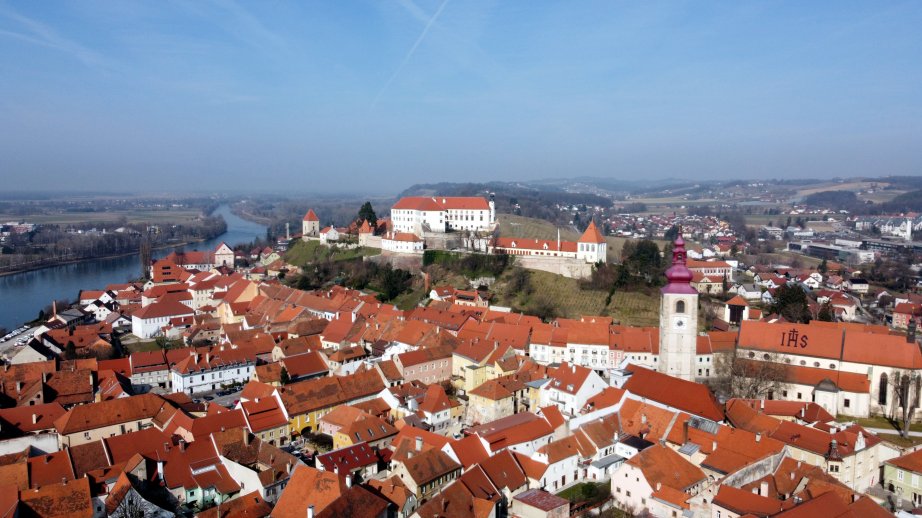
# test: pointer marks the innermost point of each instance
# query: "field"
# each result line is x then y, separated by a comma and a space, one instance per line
518, 226
140, 216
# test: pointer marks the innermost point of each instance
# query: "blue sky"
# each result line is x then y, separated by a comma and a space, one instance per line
373, 96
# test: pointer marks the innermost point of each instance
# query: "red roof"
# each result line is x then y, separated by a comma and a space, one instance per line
311, 216
592, 234
423, 203
687, 396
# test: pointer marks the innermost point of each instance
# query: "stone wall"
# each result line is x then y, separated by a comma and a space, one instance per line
568, 267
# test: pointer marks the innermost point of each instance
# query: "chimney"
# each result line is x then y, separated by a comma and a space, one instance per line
336, 469
713, 446
761, 404
659, 486
34, 418
763, 489
685, 432
573, 366
182, 445
419, 444
643, 418
758, 436
310, 511
18, 386
348, 481
792, 475
159, 469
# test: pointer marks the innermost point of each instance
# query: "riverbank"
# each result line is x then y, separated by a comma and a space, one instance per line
99, 258
242, 214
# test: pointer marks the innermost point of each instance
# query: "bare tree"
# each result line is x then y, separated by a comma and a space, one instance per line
737, 377
905, 400
132, 506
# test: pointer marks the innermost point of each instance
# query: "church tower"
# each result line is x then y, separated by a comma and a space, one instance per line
678, 318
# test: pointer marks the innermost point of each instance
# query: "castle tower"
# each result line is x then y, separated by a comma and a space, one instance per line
591, 246
678, 318
310, 226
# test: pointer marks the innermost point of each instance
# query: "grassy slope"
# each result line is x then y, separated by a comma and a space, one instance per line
306, 252
518, 226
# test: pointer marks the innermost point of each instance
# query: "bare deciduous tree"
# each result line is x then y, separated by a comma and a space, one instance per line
737, 377
905, 387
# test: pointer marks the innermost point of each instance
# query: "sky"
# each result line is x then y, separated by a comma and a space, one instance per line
374, 96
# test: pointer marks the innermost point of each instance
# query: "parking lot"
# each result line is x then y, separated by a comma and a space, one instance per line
16, 338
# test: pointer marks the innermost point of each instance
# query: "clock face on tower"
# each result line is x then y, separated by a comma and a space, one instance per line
679, 322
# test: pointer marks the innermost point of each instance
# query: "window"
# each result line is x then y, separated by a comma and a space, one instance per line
848, 403
799, 396
680, 306
899, 475
86, 435
833, 468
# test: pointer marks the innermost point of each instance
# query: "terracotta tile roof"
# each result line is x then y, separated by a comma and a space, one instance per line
250, 505
592, 234
308, 486
392, 490
52, 468
105, 413
568, 378
889, 350
263, 414
559, 450
552, 415
737, 301
745, 502
68, 500
435, 400
911, 461
541, 499
492, 390
511, 430
813, 376
609, 396
688, 396
368, 428
660, 464
504, 471
469, 450
456, 500
440, 203
349, 458
355, 501
26, 419
429, 465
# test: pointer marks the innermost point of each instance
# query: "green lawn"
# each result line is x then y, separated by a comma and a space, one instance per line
904, 442
879, 422
586, 491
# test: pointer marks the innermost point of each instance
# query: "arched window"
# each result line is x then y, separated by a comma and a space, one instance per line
882, 389
680, 306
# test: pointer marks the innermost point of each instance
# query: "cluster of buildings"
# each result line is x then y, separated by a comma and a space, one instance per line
345, 406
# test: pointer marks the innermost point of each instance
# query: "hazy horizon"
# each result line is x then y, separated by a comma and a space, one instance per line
361, 97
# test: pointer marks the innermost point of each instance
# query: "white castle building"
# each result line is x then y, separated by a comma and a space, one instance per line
418, 214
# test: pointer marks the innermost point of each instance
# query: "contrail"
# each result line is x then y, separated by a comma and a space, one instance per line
409, 55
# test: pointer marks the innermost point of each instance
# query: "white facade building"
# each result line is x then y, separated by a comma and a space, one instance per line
418, 214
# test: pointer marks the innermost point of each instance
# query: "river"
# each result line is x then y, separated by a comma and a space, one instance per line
22, 295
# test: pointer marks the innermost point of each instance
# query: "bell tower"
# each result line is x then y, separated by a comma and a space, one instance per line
678, 318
